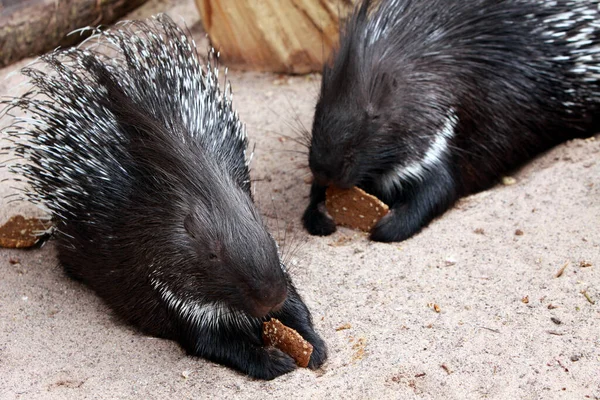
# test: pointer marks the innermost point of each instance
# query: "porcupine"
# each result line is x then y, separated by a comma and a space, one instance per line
426, 101
140, 159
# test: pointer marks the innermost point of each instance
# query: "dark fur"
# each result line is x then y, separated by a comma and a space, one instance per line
490, 62
175, 216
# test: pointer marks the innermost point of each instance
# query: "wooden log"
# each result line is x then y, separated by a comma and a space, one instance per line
288, 36
32, 27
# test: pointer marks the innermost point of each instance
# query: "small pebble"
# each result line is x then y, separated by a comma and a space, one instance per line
556, 320
519, 232
574, 358
508, 180
449, 261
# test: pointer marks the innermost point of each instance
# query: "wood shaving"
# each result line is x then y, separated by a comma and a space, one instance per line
343, 327
561, 270
359, 348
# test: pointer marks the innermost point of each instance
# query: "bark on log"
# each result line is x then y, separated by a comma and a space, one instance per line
289, 36
32, 27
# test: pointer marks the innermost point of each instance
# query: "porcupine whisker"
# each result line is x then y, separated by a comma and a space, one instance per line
293, 167
278, 239
296, 244
299, 172
296, 118
300, 141
285, 244
300, 130
307, 175
293, 244
286, 151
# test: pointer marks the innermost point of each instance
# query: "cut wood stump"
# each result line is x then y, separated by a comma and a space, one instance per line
32, 27
286, 36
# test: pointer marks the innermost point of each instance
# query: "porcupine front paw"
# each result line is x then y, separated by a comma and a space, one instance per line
319, 354
315, 218
270, 364
393, 228
296, 315
317, 222
245, 354
409, 214
306, 330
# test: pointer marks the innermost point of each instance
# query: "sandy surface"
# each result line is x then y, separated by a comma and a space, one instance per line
58, 340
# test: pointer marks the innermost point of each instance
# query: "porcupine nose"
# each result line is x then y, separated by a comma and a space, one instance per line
322, 179
328, 170
268, 299
326, 179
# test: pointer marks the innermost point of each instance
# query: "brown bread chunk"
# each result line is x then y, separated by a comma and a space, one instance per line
354, 208
287, 340
20, 232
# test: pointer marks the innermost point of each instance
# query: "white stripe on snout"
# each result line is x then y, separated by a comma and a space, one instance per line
416, 170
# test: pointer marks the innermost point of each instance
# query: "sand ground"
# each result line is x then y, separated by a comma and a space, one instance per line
59, 341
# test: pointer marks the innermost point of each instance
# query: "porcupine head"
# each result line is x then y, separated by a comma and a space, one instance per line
378, 111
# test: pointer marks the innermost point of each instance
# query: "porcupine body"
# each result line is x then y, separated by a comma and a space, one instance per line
141, 161
429, 100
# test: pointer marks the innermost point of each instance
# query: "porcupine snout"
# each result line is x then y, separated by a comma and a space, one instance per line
245, 258
266, 298
263, 282
331, 168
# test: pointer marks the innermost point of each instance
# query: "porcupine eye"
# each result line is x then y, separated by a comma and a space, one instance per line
371, 113
212, 247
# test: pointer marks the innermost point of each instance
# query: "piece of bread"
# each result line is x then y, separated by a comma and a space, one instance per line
354, 208
287, 340
20, 232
